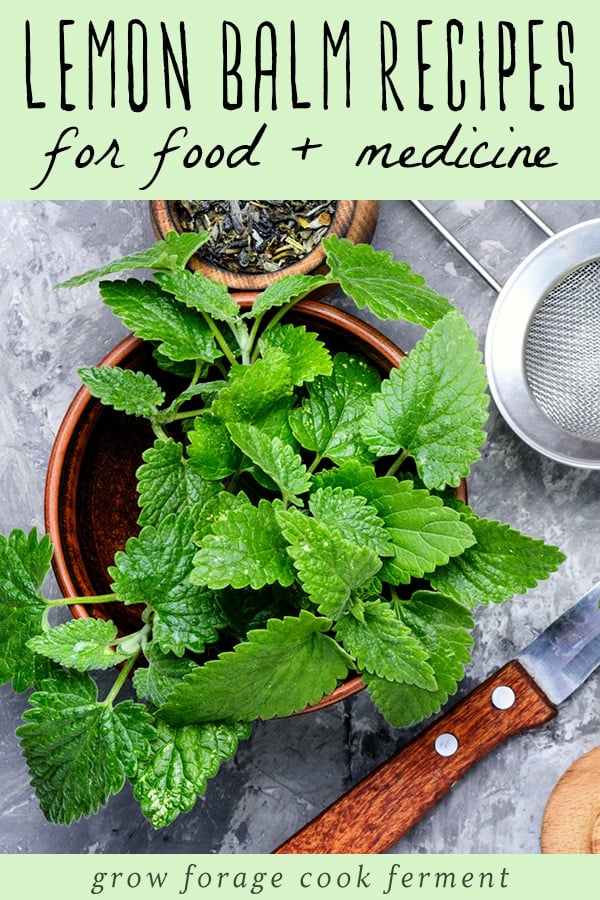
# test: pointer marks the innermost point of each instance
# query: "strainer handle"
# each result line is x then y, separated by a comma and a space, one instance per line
462, 250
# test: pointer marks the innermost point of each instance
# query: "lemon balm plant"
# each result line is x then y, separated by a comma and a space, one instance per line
298, 523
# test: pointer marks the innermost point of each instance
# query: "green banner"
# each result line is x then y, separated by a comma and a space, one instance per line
271, 877
383, 99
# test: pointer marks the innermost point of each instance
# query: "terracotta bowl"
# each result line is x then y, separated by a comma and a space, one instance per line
90, 499
353, 219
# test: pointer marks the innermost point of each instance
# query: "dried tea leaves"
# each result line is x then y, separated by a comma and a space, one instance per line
256, 236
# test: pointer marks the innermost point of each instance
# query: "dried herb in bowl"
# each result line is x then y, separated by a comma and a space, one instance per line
256, 236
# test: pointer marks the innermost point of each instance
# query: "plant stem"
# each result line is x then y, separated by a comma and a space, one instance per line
219, 339
397, 463
69, 601
121, 679
190, 414
221, 367
281, 312
316, 462
239, 329
196, 376
166, 413
395, 600
159, 431
252, 349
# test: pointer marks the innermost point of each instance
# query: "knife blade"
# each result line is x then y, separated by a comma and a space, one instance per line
523, 694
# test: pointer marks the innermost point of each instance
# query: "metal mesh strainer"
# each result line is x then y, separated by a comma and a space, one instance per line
562, 353
543, 342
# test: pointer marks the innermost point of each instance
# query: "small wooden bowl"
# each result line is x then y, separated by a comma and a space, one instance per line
571, 822
353, 219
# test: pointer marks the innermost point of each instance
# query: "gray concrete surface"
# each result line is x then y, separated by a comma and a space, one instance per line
290, 769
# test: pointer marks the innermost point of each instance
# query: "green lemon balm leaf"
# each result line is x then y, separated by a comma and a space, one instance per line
274, 421
24, 564
34, 553
79, 751
244, 549
385, 286
252, 390
167, 484
198, 292
278, 670
383, 645
328, 421
154, 569
434, 405
274, 457
285, 290
171, 253
135, 393
220, 508
81, 644
181, 762
330, 567
155, 681
211, 453
503, 562
306, 354
154, 315
443, 627
351, 515
423, 532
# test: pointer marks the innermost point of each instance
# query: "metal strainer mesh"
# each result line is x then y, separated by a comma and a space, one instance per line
562, 353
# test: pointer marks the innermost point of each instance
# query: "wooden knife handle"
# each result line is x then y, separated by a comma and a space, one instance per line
388, 802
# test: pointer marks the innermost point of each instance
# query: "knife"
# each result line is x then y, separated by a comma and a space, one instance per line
523, 694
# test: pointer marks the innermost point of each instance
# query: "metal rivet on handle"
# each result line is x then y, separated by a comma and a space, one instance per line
446, 744
503, 697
